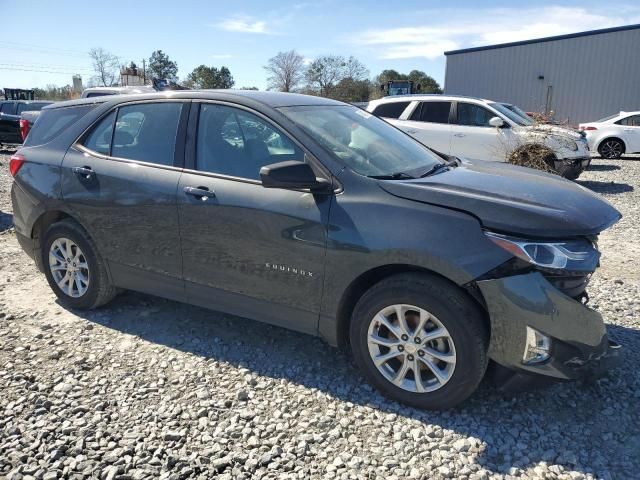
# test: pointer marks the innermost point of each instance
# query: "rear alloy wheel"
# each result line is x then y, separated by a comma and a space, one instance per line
69, 267
420, 340
611, 149
75, 270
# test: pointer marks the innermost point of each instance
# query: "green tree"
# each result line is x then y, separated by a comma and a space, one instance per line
160, 66
330, 75
427, 83
203, 77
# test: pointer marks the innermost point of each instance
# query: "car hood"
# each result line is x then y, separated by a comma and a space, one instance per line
510, 199
553, 130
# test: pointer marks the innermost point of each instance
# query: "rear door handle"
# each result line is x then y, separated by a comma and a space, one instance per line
85, 172
411, 131
459, 135
203, 193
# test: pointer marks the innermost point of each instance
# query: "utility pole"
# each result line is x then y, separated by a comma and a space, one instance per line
144, 71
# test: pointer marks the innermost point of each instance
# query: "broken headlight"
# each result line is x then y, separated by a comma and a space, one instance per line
579, 255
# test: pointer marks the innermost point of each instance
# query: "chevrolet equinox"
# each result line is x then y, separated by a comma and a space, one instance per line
317, 216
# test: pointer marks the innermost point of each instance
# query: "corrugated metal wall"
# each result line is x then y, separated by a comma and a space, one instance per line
590, 76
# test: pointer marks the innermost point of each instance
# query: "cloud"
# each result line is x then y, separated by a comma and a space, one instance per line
474, 27
245, 24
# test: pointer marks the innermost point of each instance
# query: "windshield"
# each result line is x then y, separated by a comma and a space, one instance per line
361, 141
515, 117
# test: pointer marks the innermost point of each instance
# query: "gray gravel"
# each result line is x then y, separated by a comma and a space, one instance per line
148, 388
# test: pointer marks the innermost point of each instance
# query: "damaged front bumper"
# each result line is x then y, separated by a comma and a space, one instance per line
579, 346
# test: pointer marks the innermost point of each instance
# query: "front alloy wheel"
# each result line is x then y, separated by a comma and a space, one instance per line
411, 348
420, 339
69, 267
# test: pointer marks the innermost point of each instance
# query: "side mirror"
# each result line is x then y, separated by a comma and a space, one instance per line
293, 175
496, 122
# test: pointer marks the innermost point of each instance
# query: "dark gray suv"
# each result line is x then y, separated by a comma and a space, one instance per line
317, 216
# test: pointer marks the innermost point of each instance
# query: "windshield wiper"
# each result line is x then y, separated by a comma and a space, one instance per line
393, 176
436, 168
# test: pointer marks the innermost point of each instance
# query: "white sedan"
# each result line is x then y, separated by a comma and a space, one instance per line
614, 135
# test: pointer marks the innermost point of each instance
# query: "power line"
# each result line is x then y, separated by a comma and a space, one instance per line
46, 65
36, 66
40, 71
41, 46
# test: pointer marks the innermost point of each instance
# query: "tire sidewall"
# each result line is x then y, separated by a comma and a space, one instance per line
470, 360
74, 234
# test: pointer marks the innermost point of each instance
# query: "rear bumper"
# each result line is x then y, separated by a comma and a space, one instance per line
580, 347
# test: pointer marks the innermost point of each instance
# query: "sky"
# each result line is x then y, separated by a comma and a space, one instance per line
50, 44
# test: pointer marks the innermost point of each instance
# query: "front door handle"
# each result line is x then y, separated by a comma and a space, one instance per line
203, 193
458, 135
411, 131
85, 172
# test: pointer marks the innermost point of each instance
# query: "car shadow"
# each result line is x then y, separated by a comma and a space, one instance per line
611, 188
6, 221
518, 429
7, 150
598, 167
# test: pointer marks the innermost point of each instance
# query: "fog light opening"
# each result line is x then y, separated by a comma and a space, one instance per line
537, 347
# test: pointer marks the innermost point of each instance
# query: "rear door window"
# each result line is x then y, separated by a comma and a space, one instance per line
147, 132
51, 123
472, 115
433, 112
632, 121
390, 110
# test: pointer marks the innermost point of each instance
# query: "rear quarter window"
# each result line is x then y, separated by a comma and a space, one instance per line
390, 110
51, 123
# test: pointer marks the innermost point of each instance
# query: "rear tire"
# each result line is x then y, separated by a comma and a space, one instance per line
611, 148
73, 267
446, 340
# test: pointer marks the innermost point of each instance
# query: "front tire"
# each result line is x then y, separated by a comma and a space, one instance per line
73, 267
611, 149
420, 340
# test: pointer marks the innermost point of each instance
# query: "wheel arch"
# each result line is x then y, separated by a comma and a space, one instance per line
611, 137
368, 279
42, 223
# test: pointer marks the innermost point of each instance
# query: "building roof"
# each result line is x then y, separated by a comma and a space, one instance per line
545, 39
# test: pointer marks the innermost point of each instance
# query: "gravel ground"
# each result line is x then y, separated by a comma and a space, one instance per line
147, 388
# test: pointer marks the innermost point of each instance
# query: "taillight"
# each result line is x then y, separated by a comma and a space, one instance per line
586, 129
24, 128
15, 163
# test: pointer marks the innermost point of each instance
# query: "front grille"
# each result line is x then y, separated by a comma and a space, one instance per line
573, 286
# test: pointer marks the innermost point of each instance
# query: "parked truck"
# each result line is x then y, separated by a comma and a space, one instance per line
14, 124
400, 87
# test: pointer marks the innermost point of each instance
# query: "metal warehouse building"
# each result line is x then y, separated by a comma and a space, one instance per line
580, 77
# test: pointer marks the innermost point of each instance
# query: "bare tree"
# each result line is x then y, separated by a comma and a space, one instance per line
105, 65
285, 71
